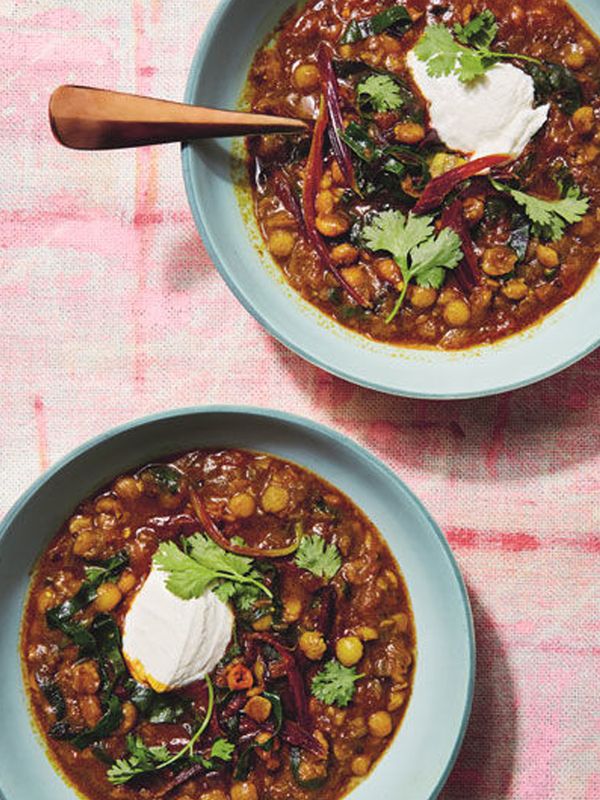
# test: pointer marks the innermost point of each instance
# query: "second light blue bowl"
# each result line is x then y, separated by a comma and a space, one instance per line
230, 234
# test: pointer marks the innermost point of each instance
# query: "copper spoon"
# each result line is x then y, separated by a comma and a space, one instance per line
98, 119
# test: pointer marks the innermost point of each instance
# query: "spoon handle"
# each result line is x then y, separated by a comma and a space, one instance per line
98, 119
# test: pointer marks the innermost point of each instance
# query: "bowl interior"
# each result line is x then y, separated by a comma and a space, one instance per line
428, 740
230, 233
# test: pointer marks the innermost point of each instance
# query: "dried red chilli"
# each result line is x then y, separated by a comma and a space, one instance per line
293, 734
331, 92
439, 188
467, 272
293, 677
313, 173
288, 198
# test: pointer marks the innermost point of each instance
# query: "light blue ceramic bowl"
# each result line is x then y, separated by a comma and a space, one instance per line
231, 236
424, 750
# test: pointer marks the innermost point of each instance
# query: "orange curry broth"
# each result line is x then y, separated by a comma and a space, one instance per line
260, 498
284, 79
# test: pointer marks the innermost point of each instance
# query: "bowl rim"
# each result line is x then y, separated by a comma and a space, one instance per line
279, 333
328, 433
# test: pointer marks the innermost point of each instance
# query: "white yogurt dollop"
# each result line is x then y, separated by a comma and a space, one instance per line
492, 115
169, 642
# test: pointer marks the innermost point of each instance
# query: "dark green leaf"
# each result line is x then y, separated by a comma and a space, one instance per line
155, 707
556, 82
167, 477
519, 235
395, 20
358, 140
108, 723
54, 696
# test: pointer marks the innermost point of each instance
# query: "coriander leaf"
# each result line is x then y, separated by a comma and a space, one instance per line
187, 578
472, 66
318, 557
207, 553
478, 32
381, 92
420, 254
445, 56
437, 47
549, 217
393, 232
205, 565
222, 749
335, 684
141, 759
431, 258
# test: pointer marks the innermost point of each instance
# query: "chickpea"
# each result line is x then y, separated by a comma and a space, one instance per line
312, 645
583, 120
337, 174
281, 243
86, 544
307, 77
242, 505
244, 791
126, 581
274, 499
423, 296
367, 634
258, 708
213, 794
443, 162
344, 254
387, 269
380, 724
547, 256
80, 523
108, 597
354, 275
473, 208
292, 609
108, 505
324, 202
263, 623
575, 57
397, 699
515, 289
457, 313
349, 650
499, 260
85, 677
46, 599
361, 765
332, 225
409, 132
128, 488
129, 718
90, 709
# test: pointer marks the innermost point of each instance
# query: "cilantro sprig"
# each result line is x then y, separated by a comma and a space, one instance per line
469, 57
143, 759
380, 92
410, 240
335, 684
318, 557
549, 217
202, 564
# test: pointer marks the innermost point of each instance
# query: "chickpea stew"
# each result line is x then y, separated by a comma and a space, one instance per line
221, 626
449, 192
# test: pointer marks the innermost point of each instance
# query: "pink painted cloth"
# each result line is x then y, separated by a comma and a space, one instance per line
111, 309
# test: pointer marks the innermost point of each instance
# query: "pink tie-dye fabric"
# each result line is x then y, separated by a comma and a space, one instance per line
111, 309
